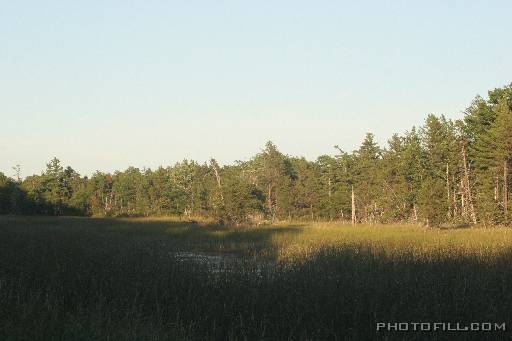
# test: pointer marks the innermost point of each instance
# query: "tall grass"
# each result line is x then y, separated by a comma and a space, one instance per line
120, 279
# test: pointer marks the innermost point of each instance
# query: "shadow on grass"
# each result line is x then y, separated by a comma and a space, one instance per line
173, 235
88, 279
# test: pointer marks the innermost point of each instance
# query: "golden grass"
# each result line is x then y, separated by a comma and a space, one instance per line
393, 240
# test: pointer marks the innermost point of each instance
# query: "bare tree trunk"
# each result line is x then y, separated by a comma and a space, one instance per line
454, 201
269, 202
329, 193
505, 189
463, 209
448, 192
496, 190
353, 207
215, 167
17, 174
467, 186
192, 202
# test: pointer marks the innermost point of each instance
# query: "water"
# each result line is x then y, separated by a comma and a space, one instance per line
218, 263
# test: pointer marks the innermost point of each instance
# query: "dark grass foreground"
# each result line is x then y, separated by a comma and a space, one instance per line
98, 279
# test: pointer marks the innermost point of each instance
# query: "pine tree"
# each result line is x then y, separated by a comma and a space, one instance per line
367, 178
274, 178
501, 134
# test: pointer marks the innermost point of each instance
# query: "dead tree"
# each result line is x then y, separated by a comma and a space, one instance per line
505, 190
353, 207
454, 201
449, 213
467, 186
215, 168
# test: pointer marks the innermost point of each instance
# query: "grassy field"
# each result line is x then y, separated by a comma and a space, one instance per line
161, 279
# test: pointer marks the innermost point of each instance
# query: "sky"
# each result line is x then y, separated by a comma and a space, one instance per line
103, 85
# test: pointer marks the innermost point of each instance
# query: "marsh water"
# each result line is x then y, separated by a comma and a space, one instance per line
222, 262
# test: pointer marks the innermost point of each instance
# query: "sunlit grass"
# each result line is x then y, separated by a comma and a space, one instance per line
406, 240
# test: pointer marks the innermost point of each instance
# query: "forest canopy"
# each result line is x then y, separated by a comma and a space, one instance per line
444, 172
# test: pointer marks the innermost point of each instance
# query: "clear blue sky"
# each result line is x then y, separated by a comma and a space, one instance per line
108, 84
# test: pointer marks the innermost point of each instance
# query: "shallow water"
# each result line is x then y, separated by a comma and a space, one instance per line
221, 262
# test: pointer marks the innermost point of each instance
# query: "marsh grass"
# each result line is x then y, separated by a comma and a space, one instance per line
123, 279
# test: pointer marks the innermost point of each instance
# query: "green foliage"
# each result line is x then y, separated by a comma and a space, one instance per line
367, 179
488, 126
8, 190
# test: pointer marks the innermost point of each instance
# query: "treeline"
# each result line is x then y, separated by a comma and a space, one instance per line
444, 172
